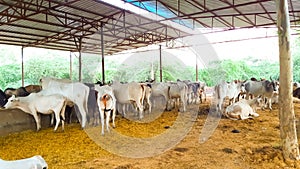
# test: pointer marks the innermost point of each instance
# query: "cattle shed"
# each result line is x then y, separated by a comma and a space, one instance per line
96, 26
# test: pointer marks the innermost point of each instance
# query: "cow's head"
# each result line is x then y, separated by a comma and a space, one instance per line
11, 102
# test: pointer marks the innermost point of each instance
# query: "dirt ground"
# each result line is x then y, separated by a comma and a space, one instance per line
248, 144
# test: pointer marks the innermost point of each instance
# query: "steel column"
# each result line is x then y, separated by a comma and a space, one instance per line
160, 63
70, 66
80, 63
196, 69
22, 64
102, 54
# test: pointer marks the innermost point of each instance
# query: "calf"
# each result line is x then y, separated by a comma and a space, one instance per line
35, 162
38, 103
106, 102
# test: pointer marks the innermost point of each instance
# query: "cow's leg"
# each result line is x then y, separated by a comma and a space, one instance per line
37, 121
184, 102
83, 116
107, 113
140, 107
102, 119
52, 119
113, 117
62, 114
270, 103
149, 104
57, 118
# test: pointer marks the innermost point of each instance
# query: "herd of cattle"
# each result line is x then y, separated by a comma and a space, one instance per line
94, 102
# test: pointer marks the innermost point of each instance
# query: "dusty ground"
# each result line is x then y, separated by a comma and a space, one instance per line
257, 145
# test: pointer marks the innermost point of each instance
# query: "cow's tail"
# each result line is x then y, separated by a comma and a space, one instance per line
105, 98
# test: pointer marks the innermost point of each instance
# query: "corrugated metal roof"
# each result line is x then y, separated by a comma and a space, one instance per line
61, 24
227, 14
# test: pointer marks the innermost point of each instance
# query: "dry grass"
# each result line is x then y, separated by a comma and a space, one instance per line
257, 145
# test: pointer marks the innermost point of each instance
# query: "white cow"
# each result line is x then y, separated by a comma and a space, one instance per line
37, 103
240, 110
160, 89
128, 93
35, 162
230, 90
178, 92
106, 102
76, 92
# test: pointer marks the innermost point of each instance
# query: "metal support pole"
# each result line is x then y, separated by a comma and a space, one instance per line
160, 63
22, 64
196, 69
102, 54
80, 62
70, 66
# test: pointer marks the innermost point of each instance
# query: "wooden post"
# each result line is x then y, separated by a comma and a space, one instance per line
287, 119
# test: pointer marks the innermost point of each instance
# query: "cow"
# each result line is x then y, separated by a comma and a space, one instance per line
3, 99
193, 91
19, 92
254, 103
35, 162
239, 111
148, 93
202, 91
296, 85
160, 89
178, 93
296, 93
33, 88
39, 103
93, 109
264, 88
128, 93
106, 102
230, 90
75, 92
